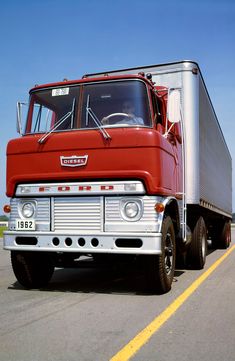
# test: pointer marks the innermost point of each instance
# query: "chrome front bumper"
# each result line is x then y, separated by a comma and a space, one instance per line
100, 242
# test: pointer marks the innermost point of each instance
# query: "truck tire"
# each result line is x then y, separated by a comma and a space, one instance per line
198, 247
32, 269
160, 268
225, 236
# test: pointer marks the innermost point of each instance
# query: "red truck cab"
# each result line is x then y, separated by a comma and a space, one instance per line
97, 166
59, 125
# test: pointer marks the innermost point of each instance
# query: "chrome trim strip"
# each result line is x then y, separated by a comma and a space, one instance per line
80, 188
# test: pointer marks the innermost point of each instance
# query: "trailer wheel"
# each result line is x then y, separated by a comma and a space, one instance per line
160, 269
225, 236
198, 247
32, 269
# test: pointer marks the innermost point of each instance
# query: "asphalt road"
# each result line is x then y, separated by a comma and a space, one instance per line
90, 314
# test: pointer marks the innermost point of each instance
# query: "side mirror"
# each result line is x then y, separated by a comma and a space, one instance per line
173, 107
19, 117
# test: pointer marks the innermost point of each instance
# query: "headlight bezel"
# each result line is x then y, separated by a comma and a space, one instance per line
137, 207
27, 209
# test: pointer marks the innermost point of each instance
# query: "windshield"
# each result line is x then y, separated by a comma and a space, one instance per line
88, 106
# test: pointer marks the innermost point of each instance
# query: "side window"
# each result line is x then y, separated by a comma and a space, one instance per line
42, 118
157, 108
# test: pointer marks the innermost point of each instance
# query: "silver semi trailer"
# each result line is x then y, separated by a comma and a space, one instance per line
208, 163
207, 190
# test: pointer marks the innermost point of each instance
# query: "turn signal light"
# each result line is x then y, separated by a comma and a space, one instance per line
7, 208
159, 207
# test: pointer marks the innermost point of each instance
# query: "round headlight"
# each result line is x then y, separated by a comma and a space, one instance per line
131, 209
28, 210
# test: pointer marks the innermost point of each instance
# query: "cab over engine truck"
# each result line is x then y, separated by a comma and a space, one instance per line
128, 162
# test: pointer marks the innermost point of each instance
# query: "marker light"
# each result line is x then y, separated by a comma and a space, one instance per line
7, 208
130, 187
25, 189
159, 207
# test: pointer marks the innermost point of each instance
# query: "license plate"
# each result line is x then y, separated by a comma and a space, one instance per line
25, 225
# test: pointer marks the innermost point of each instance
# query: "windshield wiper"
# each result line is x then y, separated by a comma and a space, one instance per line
60, 122
96, 120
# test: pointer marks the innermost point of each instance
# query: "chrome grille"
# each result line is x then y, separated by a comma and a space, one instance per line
112, 209
14, 210
78, 214
115, 222
42, 215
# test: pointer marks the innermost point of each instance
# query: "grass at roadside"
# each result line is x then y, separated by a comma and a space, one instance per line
1, 231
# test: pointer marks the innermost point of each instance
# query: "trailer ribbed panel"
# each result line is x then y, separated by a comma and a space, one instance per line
215, 160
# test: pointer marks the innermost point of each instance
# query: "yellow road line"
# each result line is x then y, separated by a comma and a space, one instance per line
141, 338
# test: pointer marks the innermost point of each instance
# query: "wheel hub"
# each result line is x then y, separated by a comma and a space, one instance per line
168, 254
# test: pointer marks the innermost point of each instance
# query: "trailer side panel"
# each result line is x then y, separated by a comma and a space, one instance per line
215, 160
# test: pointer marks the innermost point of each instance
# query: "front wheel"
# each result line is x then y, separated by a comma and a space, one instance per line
160, 269
32, 269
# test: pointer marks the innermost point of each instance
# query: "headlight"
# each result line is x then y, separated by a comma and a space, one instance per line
131, 210
28, 210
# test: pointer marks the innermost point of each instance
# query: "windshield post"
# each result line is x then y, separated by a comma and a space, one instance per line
87, 106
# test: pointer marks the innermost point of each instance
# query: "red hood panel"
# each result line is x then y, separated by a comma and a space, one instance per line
130, 154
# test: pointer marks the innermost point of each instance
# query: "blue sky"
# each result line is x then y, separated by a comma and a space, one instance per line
46, 41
